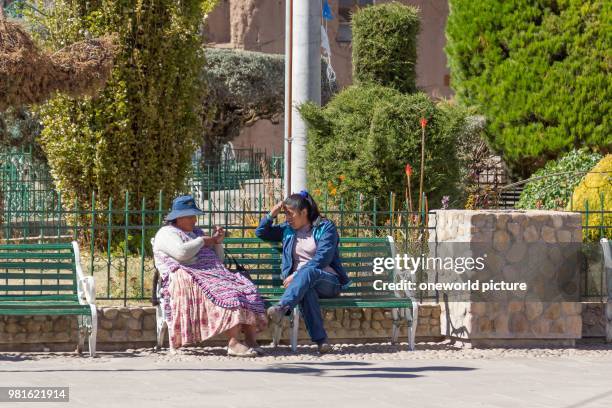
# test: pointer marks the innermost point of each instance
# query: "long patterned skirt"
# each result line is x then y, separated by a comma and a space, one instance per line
196, 318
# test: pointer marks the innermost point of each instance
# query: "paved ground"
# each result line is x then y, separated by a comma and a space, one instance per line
378, 376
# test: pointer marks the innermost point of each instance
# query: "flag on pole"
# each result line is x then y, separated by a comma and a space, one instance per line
327, 13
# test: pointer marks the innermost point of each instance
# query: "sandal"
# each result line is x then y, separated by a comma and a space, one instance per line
260, 351
248, 353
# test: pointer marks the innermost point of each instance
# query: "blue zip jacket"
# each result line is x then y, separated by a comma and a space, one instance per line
326, 238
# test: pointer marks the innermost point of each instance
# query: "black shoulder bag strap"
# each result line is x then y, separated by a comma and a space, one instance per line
238, 267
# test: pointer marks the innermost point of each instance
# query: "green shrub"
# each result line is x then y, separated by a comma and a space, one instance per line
362, 140
385, 46
538, 70
595, 190
140, 132
553, 192
243, 87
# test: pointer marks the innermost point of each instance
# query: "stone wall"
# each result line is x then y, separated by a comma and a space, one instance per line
593, 319
514, 240
121, 328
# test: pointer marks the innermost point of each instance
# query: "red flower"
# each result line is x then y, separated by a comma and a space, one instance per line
423, 122
408, 170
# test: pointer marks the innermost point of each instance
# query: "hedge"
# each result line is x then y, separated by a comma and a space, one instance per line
141, 131
538, 70
385, 46
362, 140
554, 184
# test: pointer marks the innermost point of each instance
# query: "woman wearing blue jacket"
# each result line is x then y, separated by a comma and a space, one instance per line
311, 267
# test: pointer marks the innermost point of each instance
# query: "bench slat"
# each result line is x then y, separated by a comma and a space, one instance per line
36, 247
356, 302
36, 255
75, 310
267, 250
41, 298
36, 265
39, 303
28, 275
38, 287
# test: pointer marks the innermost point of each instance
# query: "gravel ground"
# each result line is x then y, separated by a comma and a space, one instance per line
369, 351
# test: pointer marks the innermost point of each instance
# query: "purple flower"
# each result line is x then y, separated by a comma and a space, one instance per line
445, 201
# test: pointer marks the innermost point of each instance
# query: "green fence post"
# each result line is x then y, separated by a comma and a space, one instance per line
602, 235
142, 247
374, 213
358, 213
125, 246
209, 214
586, 210
342, 215
602, 229
92, 231
75, 229
391, 211
60, 212
422, 240
109, 238
160, 208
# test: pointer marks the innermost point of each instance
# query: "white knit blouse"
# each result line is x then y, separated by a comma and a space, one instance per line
168, 241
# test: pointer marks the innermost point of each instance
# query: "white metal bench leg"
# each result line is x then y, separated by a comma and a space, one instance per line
412, 315
160, 324
82, 333
396, 323
295, 327
94, 331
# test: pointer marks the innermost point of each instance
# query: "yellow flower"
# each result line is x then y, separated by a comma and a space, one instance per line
341, 177
333, 191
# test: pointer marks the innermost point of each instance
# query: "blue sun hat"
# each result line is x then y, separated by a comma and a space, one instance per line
183, 206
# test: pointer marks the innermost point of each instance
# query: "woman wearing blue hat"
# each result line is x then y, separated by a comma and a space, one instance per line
311, 266
200, 297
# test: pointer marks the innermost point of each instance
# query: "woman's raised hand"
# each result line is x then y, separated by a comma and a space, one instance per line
280, 206
219, 234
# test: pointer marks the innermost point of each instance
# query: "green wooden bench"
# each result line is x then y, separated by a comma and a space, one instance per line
47, 279
263, 261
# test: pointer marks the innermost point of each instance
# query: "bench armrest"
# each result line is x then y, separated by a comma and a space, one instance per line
86, 286
88, 290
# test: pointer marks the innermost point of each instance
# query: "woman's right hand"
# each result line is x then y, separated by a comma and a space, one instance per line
277, 208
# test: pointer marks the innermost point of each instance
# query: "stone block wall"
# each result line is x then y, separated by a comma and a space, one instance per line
593, 319
121, 328
514, 241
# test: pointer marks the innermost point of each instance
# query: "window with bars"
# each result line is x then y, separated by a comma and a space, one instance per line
345, 9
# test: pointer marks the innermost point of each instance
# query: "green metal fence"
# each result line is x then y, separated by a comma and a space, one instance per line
115, 238
25, 183
237, 168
